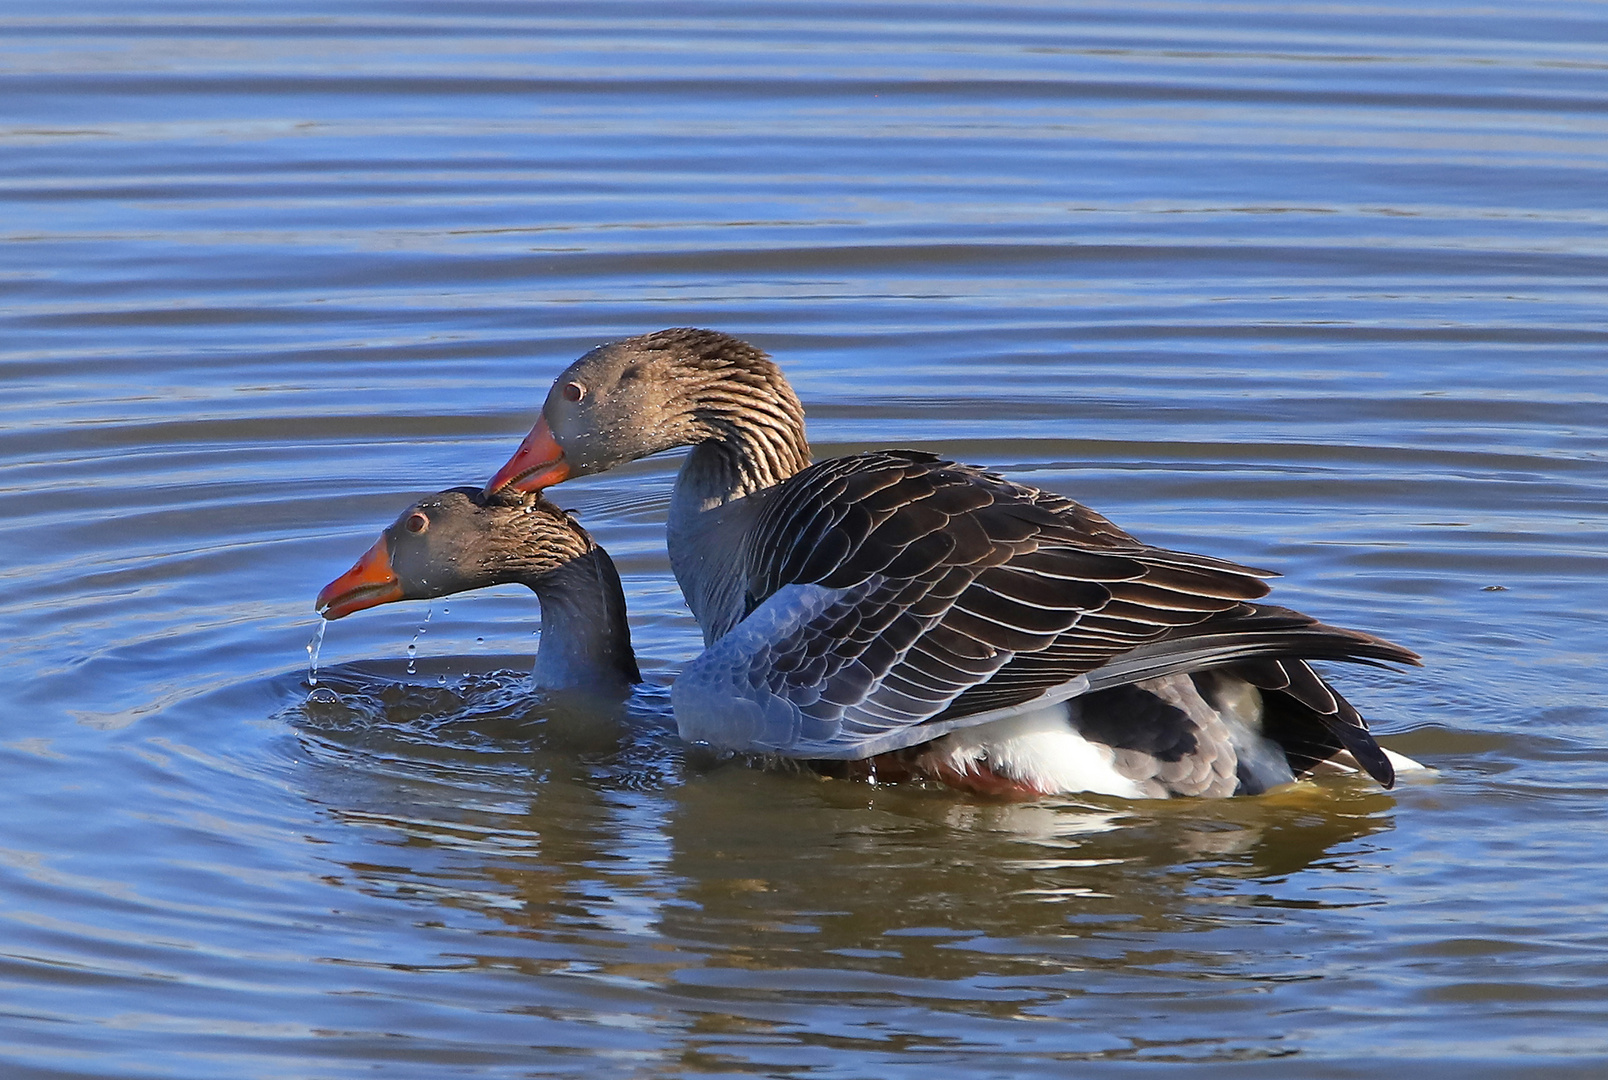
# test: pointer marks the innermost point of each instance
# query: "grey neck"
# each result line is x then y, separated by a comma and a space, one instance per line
714, 505
586, 640
746, 429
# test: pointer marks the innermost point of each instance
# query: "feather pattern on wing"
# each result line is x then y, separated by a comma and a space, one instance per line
944, 595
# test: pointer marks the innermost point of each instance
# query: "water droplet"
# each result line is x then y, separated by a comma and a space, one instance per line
323, 695
441, 680
413, 646
313, 648
480, 641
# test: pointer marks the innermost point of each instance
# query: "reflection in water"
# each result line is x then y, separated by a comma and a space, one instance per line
594, 850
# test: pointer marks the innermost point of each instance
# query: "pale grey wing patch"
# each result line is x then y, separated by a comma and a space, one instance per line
806, 675
723, 696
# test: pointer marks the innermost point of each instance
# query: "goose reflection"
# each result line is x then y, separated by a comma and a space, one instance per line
476, 797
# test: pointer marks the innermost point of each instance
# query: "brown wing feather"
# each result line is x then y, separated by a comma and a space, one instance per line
995, 572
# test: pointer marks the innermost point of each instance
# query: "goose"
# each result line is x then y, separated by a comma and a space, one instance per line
457, 540
895, 603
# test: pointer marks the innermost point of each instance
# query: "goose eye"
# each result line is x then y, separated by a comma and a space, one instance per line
574, 391
416, 523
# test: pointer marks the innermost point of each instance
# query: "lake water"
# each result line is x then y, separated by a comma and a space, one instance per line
1318, 287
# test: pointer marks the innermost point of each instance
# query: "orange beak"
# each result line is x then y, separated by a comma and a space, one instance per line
370, 582
538, 463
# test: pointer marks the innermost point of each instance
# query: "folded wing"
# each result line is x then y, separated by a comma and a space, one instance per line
893, 596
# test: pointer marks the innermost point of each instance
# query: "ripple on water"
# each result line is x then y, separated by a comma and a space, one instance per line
1317, 288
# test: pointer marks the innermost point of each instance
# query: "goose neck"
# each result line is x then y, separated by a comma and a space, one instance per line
586, 640
747, 432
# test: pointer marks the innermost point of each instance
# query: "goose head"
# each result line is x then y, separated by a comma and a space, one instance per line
456, 540
631, 398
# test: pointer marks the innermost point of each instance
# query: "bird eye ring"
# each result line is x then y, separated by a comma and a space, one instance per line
416, 522
573, 391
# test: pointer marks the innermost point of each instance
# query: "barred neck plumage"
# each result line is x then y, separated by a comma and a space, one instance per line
747, 427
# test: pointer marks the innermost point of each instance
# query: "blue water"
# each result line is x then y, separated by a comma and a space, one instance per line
1321, 288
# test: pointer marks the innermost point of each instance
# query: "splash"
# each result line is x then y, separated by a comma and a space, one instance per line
313, 648
413, 646
322, 695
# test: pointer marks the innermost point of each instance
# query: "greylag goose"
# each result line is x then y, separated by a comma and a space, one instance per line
893, 602
458, 540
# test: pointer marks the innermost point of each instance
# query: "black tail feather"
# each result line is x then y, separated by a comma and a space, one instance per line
1295, 717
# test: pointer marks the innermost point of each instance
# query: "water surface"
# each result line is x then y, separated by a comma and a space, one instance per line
1313, 287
